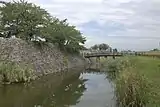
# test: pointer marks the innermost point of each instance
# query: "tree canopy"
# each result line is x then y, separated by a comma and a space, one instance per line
155, 49
115, 50
102, 46
30, 22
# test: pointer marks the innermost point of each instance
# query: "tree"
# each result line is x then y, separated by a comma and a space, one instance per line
29, 22
95, 47
115, 50
155, 49
84, 48
22, 19
102, 46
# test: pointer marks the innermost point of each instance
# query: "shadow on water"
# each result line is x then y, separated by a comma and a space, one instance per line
65, 89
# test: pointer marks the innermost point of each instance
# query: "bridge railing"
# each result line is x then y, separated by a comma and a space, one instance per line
101, 53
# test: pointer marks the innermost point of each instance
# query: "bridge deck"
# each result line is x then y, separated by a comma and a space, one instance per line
102, 55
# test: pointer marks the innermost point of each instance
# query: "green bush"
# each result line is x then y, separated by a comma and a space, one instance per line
117, 65
11, 73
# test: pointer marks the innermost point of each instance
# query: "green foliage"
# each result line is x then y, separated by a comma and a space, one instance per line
30, 22
117, 65
155, 49
102, 46
84, 48
114, 67
22, 19
131, 85
95, 47
11, 72
150, 68
132, 89
115, 50
65, 61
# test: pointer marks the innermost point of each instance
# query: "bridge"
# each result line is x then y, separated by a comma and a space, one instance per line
99, 54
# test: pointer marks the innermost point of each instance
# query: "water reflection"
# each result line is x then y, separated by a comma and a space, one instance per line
69, 92
57, 90
100, 91
65, 89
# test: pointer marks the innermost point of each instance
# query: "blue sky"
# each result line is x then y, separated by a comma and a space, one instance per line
123, 24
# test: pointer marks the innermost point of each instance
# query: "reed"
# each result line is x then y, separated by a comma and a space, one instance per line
12, 73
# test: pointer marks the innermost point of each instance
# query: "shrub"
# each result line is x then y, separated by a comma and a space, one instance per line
11, 73
117, 65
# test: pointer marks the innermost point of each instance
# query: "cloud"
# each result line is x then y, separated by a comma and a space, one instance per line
126, 24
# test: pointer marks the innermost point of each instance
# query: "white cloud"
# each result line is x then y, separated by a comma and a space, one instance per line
83, 1
138, 20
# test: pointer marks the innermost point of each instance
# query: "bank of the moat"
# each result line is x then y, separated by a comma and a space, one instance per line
21, 61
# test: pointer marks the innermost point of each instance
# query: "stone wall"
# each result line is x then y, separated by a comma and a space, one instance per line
44, 59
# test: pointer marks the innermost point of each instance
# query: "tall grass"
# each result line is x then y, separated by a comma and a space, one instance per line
131, 86
131, 89
118, 65
114, 67
11, 72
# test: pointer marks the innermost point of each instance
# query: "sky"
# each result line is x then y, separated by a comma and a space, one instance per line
123, 24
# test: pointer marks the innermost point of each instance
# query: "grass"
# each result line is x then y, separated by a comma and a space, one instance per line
150, 68
12, 73
151, 54
137, 81
131, 89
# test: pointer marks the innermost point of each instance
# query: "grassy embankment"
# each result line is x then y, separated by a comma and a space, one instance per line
137, 81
